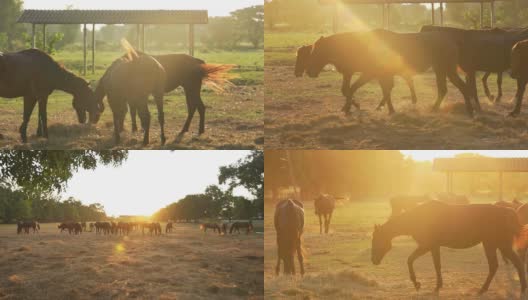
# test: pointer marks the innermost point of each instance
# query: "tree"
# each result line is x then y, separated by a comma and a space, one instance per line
249, 173
49, 171
250, 21
11, 33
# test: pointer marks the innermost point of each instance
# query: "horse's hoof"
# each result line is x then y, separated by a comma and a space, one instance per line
417, 285
481, 292
513, 114
163, 141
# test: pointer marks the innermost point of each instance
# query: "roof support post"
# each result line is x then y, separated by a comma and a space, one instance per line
33, 35
500, 186
441, 14
143, 37
44, 37
481, 15
191, 39
388, 16
383, 16
84, 49
93, 48
138, 37
432, 14
492, 13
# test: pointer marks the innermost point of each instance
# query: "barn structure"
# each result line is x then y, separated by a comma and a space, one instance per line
479, 164
385, 9
138, 17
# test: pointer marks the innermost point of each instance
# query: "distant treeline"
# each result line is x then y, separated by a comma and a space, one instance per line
310, 15
243, 28
16, 205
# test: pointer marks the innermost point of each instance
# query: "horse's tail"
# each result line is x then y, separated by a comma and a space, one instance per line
131, 52
217, 76
520, 240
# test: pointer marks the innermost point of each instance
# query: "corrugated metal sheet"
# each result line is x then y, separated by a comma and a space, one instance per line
480, 164
114, 16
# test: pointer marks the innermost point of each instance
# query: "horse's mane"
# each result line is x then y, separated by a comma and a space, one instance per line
131, 52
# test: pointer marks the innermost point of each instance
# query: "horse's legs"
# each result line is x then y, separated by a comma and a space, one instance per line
300, 256
472, 84
410, 83
462, 87
29, 104
43, 116
117, 117
361, 81
277, 267
508, 253
320, 224
133, 111
491, 255
191, 108
345, 90
438, 268
144, 116
161, 116
521, 86
387, 83
410, 261
485, 84
441, 86
201, 111
499, 86
327, 225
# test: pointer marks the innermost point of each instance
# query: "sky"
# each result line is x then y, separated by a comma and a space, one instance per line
150, 180
215, 7
422, 155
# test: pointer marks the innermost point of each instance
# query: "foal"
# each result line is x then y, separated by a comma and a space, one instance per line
435, 224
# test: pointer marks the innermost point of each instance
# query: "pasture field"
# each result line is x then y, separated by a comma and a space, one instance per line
184, 264
306, 112
233, 120
338, 265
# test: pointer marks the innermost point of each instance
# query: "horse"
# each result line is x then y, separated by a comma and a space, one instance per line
34, 75
92, 225
185, 71
83, 225
128, 82
382, 54
26, 225
435, 224
486, 50
213, 226
289, 225
74, 227
324, 205
400, 204
519, 71
168, 227
235, 227
301, 63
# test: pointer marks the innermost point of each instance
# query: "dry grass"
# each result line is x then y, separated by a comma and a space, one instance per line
306, 113
185, 264
338, 265
232, 121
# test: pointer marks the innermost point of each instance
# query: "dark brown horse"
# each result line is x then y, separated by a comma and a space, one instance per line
486, 50
168, 227
188, 72
128, 82
382, 54
236, 226
34, 75
289, 224
435, 224
301, 63
324, 206
212, 226
519, 71
27, 225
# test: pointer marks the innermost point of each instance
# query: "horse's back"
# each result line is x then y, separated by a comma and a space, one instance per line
289, 214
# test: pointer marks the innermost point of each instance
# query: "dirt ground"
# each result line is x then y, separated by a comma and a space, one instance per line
338, 265
306, 113
184, 264
232, 121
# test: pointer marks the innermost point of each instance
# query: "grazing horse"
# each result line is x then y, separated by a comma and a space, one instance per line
168, 227
289, 224
26, 225
486, 50
324, 206
237, 225
213, 226
34, 75
382, 54
185, 71
128, 82
301, 63
74, 227
435, 224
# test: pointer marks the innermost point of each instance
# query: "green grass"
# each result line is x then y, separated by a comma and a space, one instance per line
338, 265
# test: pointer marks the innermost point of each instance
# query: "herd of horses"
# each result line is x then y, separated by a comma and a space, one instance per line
127, 83
234, 228
381, 54
447, 220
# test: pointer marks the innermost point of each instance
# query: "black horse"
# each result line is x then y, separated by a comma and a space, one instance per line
34, 75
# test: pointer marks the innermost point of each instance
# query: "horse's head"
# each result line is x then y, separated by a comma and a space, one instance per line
381, 244
84, 101
303, 57
318, 58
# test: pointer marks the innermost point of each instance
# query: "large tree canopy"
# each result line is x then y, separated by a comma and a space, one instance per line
49, 171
